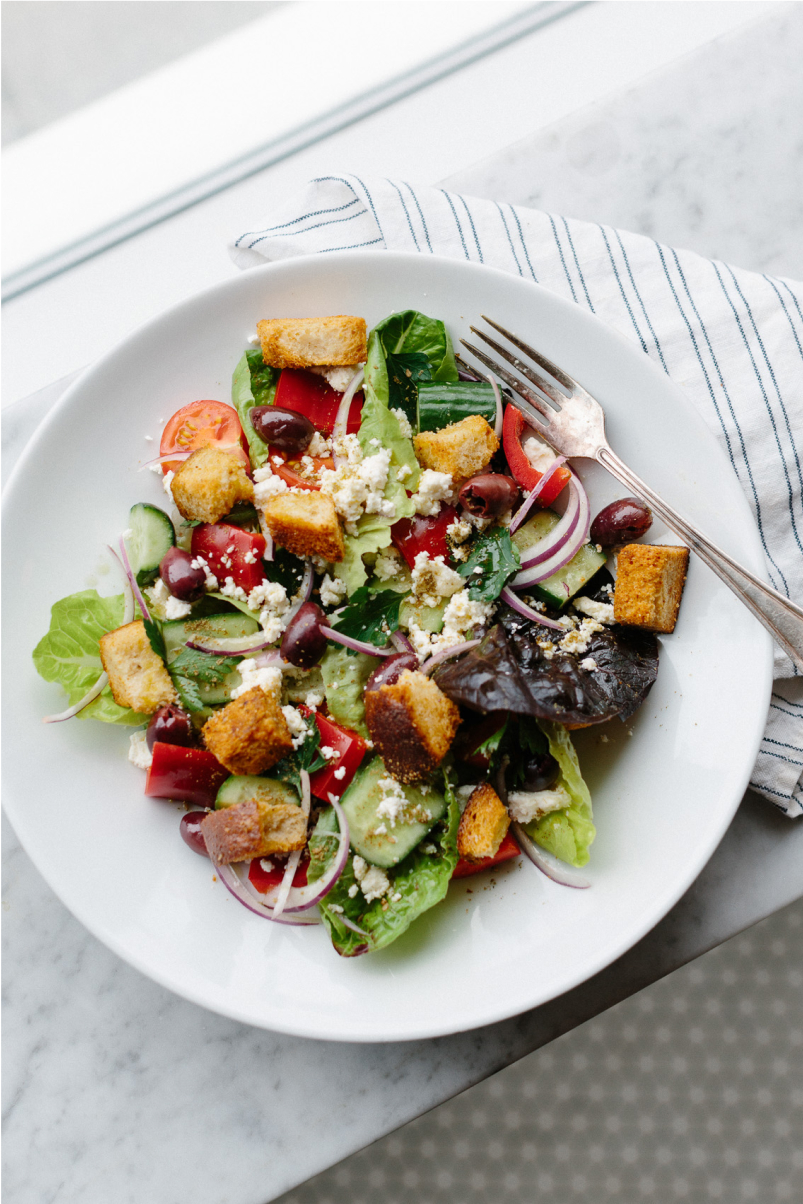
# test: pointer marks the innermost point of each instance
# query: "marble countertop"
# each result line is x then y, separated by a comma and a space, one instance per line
117, 1089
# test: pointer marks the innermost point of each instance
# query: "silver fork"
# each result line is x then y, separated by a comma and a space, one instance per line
575, 426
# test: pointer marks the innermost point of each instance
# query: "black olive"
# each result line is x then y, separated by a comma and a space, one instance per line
304, 643
540, 772
621, 522
183, 581
171, 725
391, 670
284, 429
489, 494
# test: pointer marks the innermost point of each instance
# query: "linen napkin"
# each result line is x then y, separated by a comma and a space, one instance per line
732, 340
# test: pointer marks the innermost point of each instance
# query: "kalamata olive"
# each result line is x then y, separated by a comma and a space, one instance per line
190, 829
391, 669
540, 772
171, 725
304, 643
285, 429
177, 572
489, 494
620, 522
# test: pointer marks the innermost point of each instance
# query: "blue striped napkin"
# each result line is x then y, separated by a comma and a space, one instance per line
733, 341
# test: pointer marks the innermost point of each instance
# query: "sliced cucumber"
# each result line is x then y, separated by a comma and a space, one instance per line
151, 536
239, 789
563, 585
212, 627
372, 834
440, 403
428, 618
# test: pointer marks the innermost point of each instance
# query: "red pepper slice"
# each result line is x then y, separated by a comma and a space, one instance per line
310, 394
508, 849
350, 748
263, 880
526, 476
190, 775
231, 552
288, 471
424, 534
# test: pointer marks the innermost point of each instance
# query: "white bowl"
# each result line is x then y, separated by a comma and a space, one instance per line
665, 785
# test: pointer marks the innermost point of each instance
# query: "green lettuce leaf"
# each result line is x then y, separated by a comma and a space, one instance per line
253, 384
370, 616
422, 880
497, 558
568, 833
409, 330
344, 679
373, 534
70, 652
405, 373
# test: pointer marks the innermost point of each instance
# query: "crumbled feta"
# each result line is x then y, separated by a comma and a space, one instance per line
374, 882
267, 484
167, 484
230, 590
462, 615
353, 890
319, 446
540, 454
138, 752
313, 700
328, 753
429, 849
336, 908
433, 488
357, 485
176, 609
155, 467
159, 593
250, 557
268, 679
348, 448
420, 639
525, 806
393, 801
433, 579
601, 611
404, 472
396, 898
210, 581
333, 591
404, 423
253, 339
266, 865
338, 377
295, 721
458, 531
388, 564
340, 773
579, 639
589, 663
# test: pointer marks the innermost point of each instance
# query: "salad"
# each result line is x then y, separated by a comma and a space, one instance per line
362, 611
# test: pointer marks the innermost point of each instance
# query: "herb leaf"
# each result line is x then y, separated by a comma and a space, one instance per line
405, 372
306, 756
191, 669
370, 617
153, 631
495, 554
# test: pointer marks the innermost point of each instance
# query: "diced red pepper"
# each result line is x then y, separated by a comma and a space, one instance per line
288, 471
508, 849
263, 880
350, 748
526, 476
424, 534
310, 394
189, 775
231, 552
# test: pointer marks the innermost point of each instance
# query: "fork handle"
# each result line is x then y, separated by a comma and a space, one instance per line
782, 618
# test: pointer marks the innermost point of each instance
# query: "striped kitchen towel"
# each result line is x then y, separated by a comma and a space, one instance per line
732, 339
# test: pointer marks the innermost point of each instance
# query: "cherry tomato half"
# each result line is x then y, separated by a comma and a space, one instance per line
350, 748
288, 469
203, 424
423, 534
508, 849
230, 552
310, 394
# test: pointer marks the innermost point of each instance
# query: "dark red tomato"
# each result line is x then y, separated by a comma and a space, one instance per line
289, 469
508, 849
263, 880
420, 534
310, 394
231, 552
203, 424
189, 775
515, 429
350, 748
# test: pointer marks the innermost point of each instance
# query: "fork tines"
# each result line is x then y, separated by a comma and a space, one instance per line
534, 407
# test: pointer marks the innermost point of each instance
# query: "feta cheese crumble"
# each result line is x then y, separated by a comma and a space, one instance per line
433, 488
319, 446
579, 638
268, 679
602, 612
388, 564
404, 423
393, 801
540, 455
433, 579
333, 591
357, 486
525, 806
374, 882
210, 580
267, 485
176, 609
296, 724
138, 752
338, 377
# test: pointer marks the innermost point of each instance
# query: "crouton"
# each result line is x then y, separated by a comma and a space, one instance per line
137, 676
412, 724
253, 829
483, 825
462, 449
209, 484
306, 523
649, 585
249, 734
313, 342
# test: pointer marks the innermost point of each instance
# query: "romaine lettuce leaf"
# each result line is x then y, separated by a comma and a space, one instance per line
373, 534
344, 679
379, 423
421, 879
253, 384
568, 833
409, 330
70, 652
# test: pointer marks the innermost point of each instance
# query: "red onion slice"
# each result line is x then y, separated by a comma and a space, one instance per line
535, 492
556, 538
269, 660
342, 419
571, 545
546, 863
304, 592
233, 883
268, 553
236, 646
294, 858
447, 654
526, 611
356, 645
499, 411
301, 898
401, 643
133, 581
165, 459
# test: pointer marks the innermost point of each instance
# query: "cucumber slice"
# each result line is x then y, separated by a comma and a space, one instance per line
440, 403
213, 627
238, 789
565, 583
151, 536
425, 805
428, 618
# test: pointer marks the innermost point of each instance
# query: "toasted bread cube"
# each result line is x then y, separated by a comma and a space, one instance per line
253, 829
313, 342
412, 724
462, 449
483, 825
209, 484
137, 676
649, 585
249, 734
306, 523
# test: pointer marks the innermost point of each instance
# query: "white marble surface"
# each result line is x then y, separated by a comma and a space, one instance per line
117, 1090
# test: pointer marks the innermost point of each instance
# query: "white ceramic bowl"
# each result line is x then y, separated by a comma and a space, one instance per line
665, 786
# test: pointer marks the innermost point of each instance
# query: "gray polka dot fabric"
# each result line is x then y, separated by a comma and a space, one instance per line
690, 1091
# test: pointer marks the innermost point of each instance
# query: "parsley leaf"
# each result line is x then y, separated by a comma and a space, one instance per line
497, 558
192, 669
153, 631
370, 617
306, 756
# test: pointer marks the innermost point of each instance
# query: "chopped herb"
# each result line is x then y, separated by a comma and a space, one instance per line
497, 558
153, 631
306, 756
370, 616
